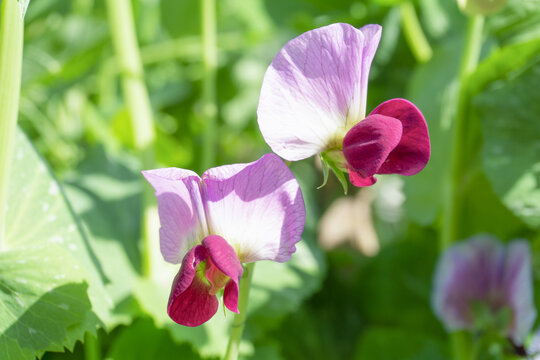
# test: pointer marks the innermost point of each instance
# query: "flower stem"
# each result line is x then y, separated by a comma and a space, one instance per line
463, 131
209, 98
240, 319
462, 346
11, 47
92, 350
453, 202
413, 33
127, 54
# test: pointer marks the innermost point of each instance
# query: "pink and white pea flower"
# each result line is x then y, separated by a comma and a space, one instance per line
313, 101
212, 224
483, 285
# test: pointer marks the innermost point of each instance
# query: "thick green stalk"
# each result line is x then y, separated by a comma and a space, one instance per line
453, 207
453, 201
209, 98
127, 54
92, 349
413, 33
462, 346
240, 319
11, 46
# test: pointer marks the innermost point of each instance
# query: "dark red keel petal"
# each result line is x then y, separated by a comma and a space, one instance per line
367, 145
413, 151
190, 302
223, 256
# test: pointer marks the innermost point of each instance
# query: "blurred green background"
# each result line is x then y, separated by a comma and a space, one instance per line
359, 286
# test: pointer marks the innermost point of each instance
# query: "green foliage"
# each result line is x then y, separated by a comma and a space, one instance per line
507, 111
50, 279
336, 304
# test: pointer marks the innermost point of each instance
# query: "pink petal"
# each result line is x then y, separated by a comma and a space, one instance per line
367, 145
413, 151
257, 207
519, 292
225, 259
181, 212
190, 302
315, 89
357, 179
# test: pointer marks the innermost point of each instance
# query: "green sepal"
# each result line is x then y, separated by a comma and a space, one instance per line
325, 172
339, 174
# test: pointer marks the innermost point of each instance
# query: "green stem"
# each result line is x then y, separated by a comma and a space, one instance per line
240, 319
413, 33
453, 202
209, 98
462, 346
453, 207
92, 349
127, 54
11, 48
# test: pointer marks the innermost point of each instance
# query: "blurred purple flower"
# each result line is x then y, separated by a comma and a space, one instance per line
234, 214
313, 100
482, 283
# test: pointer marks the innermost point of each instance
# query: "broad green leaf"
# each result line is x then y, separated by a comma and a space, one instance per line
508, 111
44, 245
43, 295
503, 63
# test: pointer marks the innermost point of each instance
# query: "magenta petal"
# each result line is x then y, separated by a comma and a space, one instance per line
367, 145
412, 153
225, 259
357, 180
190, 302
230, 296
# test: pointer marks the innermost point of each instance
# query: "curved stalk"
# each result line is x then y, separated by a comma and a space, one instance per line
11, 48
127, 54
209, 98
413, 33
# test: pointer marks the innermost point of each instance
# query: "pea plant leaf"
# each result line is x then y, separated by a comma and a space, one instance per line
51, 285
508, 111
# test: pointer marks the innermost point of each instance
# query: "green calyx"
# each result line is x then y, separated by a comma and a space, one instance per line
334, 159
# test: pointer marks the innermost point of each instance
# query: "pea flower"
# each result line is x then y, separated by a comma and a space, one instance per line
234, 214
482, 285
313, 101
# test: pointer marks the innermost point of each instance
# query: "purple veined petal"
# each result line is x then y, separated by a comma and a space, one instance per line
367, 145
413, 151
315, 89
519, 292
225, 259
181, 211
190, 303
257, 207
482, 270
469, 271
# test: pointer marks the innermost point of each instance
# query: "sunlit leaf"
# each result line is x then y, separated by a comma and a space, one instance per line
48, 271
